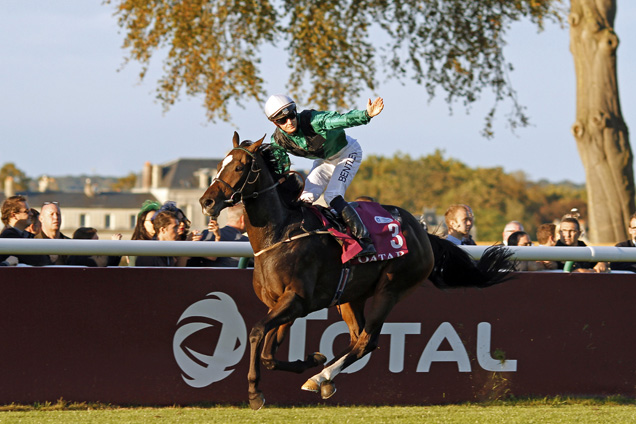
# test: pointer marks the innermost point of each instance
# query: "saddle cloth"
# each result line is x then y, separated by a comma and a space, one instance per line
385, 231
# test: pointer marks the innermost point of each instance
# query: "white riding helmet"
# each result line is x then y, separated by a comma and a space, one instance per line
279, 105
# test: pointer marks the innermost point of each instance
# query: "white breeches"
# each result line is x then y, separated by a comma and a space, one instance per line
333, 175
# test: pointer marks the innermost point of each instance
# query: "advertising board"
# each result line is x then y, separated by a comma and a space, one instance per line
181, 336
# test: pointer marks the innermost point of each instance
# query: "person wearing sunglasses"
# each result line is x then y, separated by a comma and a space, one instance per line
16, 216
320, 135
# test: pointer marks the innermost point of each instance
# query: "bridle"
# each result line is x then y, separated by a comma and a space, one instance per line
237, 194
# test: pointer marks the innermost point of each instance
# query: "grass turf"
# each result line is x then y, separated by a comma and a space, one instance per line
545, 410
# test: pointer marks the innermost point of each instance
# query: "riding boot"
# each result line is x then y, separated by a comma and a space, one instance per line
355, 224
358, 230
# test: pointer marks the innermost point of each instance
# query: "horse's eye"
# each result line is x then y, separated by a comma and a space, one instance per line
239, 168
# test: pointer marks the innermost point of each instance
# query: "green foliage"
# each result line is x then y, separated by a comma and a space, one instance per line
20, 179
212, 46
124, 183
334, 46
436, 182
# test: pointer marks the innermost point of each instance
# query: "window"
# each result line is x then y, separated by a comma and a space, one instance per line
108, 222
133, 221
83, 220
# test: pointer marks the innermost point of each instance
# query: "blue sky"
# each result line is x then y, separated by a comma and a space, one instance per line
69, 108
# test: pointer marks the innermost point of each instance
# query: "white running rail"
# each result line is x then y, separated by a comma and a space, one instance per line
235, 248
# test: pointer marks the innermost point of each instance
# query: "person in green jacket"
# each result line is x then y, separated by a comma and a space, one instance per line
320, 135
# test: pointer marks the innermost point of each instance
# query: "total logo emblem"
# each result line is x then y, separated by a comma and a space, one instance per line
201, 370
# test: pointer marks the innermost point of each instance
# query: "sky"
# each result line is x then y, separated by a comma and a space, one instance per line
69, 107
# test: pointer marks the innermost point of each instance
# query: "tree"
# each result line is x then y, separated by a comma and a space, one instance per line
435, 182
455, 46
213, 47
600, 131
124, 183
20, 180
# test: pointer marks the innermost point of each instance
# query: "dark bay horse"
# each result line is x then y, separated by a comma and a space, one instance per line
296, 276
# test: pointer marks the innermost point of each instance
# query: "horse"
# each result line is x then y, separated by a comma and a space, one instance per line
297, 272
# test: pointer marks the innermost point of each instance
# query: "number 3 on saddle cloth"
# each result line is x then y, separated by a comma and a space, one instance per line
385, 231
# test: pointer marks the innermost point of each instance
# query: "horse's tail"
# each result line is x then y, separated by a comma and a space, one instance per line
455, 268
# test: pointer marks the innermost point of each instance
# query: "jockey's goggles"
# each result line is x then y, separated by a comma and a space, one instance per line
286, 114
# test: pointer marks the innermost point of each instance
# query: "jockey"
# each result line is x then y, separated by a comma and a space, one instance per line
320, 135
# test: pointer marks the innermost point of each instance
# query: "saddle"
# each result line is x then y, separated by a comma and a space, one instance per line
385, 229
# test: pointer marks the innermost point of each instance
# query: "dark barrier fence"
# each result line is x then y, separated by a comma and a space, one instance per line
180, 336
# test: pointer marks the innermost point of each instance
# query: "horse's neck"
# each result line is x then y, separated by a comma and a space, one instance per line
267, 219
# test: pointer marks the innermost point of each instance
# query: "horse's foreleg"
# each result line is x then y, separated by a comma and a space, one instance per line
288, 308
273, 340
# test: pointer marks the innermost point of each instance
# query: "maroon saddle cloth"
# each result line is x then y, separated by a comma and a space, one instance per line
385, 231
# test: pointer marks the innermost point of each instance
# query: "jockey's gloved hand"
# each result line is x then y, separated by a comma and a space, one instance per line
338, 204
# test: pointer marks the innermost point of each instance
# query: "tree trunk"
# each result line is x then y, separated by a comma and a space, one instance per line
601, 134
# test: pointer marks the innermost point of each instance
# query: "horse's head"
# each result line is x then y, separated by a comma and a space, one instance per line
235, 179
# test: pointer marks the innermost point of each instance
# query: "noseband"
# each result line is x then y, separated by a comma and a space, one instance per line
237, 194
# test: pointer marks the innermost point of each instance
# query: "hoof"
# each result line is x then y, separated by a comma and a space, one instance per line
311, 386
317, 358
257, 401
327, 389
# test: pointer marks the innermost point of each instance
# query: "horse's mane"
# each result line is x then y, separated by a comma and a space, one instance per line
293, 183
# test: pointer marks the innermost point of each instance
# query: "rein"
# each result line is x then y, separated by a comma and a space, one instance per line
296, 237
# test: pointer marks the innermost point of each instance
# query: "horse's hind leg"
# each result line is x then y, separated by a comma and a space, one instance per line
273, 340
353, 315
288, 308
366, 343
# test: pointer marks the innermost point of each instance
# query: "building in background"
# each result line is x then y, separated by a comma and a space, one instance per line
182, 181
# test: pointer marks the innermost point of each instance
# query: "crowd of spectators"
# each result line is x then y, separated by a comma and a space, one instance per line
155, 221
166, 222
460, 219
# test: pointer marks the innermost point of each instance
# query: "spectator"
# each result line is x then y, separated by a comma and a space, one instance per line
511, 227
89, 233
631, 242
233, 231
144, 230
10, 261
36, 225
51, 219
166, 228
184, 222
569, 233
183, 229
546, 234
16, 215
574, 213
459, 220
521, 238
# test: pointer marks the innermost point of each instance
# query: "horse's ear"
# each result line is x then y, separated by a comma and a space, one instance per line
257, 144
236, 140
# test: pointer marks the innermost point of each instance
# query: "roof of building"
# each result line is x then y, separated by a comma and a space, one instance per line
181, 173
109, 200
